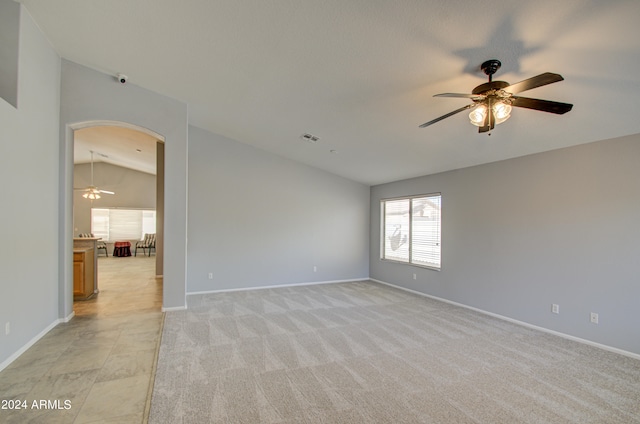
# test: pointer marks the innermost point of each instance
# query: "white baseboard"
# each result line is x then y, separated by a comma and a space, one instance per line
278, 286
33, 341
174, 308
515, 321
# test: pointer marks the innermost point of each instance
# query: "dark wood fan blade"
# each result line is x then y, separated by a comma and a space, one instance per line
426, 124
534, 82
466, 96
542, 105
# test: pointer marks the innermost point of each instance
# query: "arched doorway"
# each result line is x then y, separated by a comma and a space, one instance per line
87, 135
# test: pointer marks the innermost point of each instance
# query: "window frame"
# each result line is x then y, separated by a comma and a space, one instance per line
384, 255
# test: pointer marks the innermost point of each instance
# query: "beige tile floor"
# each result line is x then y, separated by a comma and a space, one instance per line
102, 361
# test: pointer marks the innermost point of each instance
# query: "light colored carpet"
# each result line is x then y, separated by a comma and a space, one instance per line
366, 353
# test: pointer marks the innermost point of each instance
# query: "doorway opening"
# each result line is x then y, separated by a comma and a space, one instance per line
123, 165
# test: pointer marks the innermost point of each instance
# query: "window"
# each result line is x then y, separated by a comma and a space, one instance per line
148, 222
411, 230
100, 223
122, 224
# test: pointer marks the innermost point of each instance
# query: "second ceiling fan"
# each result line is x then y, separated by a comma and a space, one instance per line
493, 100
92, 192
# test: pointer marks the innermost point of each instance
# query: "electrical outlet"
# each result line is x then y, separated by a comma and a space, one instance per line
594, 318
315, 268
7, 328
555, 308
211, 276
415, 277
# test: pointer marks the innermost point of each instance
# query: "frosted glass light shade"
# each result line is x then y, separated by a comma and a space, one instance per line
501, 112
477, 115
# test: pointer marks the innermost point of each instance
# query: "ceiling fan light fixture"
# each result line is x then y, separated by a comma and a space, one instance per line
91, 195
92, 192
501, 112
476, 116
493, 100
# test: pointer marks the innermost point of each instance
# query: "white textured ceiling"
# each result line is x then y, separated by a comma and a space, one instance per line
360, 74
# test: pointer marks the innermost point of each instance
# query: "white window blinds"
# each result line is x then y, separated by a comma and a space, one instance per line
122, 224
100, 223
125, 224
412, 230
425, 231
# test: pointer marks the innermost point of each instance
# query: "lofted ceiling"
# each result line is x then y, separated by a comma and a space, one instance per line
361, 74
116, 145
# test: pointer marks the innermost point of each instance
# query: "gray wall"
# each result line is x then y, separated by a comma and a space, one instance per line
518, 235
256, 219
88, 96
29, 192
133, 189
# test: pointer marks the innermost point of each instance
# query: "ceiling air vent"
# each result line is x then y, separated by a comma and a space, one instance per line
309, 137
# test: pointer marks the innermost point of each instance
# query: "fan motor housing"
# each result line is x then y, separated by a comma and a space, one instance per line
491, 66
492, 85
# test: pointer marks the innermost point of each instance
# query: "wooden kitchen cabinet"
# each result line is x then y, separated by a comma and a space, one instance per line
83, 273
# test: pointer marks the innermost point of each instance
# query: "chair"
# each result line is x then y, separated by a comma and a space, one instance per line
148, 242
100, 245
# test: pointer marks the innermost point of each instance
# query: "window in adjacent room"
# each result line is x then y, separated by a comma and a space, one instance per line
122, 224
411, 230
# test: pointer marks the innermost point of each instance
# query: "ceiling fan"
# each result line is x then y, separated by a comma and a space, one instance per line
492, 101
92, 192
